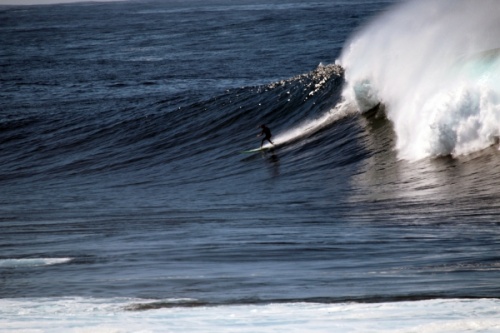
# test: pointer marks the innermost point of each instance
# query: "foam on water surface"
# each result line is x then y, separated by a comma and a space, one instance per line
112, 315
32, 262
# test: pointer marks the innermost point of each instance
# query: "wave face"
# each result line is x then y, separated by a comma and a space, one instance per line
434, 64
174, 129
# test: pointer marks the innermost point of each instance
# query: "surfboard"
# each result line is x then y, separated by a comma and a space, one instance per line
255, 150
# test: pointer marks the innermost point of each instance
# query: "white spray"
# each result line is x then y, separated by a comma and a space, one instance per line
435, 64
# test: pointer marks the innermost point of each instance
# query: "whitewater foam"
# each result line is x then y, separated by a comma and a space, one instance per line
32, 262
431, 64
111, 315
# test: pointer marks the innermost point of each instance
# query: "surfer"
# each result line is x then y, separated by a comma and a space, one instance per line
267, 132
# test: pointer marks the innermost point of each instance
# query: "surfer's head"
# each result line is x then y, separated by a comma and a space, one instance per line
262, 126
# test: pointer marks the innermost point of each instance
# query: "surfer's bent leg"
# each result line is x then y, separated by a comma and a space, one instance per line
268, 138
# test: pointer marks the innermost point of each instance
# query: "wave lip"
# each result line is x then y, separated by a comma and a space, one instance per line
32, 262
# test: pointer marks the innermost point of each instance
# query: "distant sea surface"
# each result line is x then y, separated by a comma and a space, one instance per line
126, 203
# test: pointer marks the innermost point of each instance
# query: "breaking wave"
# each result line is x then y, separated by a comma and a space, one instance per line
436, 67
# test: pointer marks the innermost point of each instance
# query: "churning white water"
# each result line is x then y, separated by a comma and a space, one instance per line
435, 65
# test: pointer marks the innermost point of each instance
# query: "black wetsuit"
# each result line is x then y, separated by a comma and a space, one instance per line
267, 132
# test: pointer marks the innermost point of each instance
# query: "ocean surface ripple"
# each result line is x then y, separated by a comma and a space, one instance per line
126, 189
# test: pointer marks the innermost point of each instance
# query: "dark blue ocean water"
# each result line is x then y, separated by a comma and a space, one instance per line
121, 173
